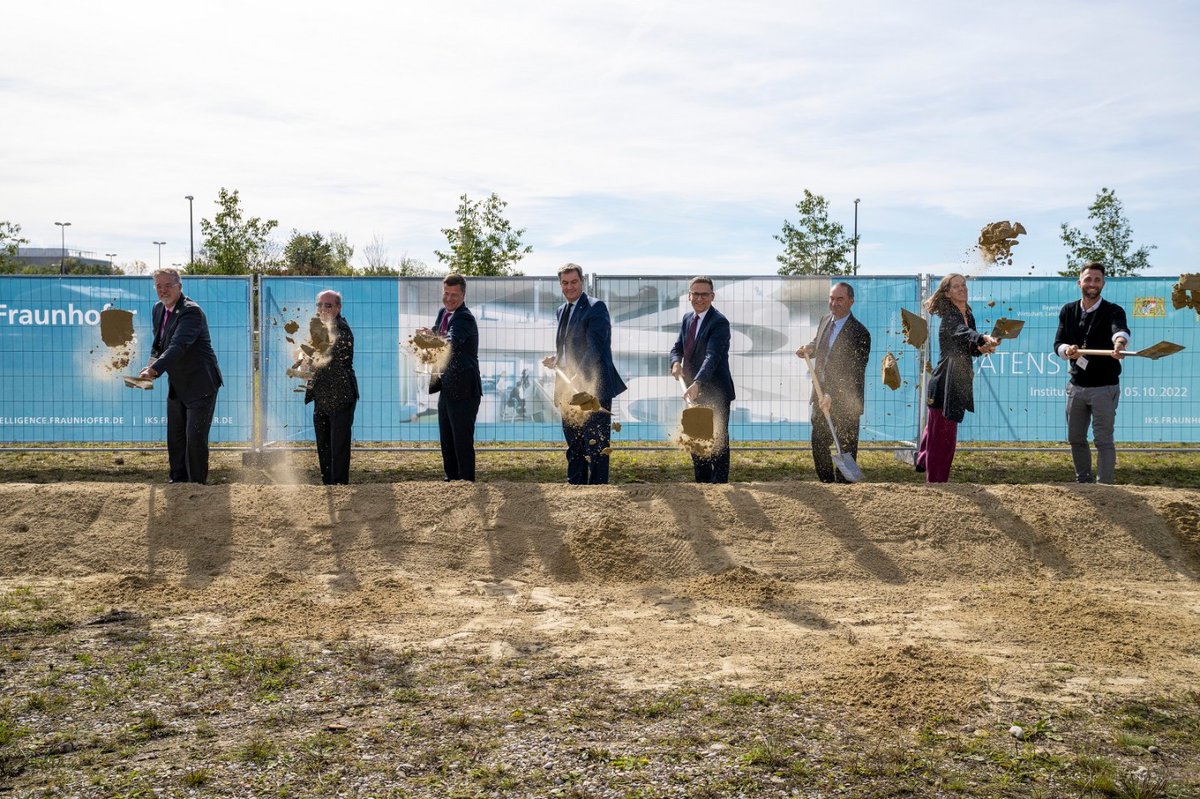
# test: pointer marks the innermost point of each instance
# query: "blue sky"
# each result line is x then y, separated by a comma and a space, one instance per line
630, 137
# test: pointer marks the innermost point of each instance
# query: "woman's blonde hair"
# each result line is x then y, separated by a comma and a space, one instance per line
939, 300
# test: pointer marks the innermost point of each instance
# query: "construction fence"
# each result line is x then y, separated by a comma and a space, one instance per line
61, 369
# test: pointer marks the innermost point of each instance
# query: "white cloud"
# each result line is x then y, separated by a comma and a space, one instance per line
372, 118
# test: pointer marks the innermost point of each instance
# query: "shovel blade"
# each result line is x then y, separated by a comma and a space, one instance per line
846, 465
916, 329
1160, 350
698, 423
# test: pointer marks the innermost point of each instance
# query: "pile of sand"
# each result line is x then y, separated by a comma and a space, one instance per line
887, 596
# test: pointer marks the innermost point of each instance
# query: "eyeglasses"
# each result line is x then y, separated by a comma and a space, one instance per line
326, 305
700, 294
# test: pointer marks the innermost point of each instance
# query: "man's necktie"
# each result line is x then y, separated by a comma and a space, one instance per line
823, 350
446, 321
562, 326
162, 330
689, 343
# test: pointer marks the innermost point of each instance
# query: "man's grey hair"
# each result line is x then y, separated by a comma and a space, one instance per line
849, 289
337, 294
571, 268
167, 270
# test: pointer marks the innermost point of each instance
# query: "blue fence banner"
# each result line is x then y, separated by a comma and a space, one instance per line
369, 306
65, 343
62, 378
1020, 391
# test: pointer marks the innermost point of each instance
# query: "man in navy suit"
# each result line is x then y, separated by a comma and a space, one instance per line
840, 349
334, 392
583, 354
701, 356
182, 350
459, 383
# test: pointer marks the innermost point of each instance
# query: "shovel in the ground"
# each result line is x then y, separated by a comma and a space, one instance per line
1155, 351
697, 420
844, 462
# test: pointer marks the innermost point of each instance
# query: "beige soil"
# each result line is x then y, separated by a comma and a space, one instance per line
116, 331
996, 241
893, 598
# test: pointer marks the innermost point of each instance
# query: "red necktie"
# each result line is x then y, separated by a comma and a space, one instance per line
689, 343
446, 321
166, 316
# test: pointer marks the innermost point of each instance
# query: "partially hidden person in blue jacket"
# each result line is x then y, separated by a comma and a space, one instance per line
584, 363
183, 351
701, 357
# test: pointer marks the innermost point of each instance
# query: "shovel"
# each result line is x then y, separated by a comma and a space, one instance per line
915, 328
697, 420
581, 399
844, 463
1155, 351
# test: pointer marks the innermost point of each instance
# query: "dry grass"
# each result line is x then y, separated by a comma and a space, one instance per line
750, 463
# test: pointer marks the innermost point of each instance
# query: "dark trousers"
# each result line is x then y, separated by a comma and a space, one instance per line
188, 424
587, 458
715, 468
822, 441
456, 429
332, 430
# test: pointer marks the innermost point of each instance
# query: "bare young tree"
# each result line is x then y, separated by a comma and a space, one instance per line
376, 255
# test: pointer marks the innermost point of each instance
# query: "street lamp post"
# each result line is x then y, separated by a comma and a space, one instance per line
191, 233
160, 244
110, 255
856, 201
62, 265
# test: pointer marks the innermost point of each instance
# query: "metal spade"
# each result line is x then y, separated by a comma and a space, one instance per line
697, 420
1155, 351
845, 463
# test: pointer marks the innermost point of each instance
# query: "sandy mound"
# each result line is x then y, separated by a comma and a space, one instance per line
885, 596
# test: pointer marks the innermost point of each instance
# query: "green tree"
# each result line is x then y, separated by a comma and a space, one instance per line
1110, 243
10, 240
484, 242
314, 254
231, 244
814, 245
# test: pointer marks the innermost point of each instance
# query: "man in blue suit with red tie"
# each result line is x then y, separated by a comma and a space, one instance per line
583, 358
459, 386
701, 357
182, 350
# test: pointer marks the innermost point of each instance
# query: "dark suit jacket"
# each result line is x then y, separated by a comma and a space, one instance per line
184, 352
952, 385
709, 364
334, 385
586, 349
843, 370
460, 379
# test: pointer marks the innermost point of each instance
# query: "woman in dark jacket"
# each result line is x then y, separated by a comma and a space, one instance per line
950, 393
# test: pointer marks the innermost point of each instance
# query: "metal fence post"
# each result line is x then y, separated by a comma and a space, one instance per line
256, 337
923, 281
